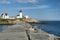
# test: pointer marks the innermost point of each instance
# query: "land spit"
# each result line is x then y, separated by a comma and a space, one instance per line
25, 31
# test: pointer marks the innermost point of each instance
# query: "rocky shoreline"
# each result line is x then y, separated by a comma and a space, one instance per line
12, 23
38, 22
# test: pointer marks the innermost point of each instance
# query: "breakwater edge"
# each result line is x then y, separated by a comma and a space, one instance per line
21, 30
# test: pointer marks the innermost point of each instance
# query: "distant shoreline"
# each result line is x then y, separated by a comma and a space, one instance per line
27, 22
14, 21
38, 22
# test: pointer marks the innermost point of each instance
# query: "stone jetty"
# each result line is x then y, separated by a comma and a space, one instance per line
24, 31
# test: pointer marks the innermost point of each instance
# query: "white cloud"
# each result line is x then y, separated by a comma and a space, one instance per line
18, 1
5, 2
25, 8
36, 7
27, 1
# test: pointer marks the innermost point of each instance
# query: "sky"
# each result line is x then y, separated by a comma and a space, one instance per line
36, 9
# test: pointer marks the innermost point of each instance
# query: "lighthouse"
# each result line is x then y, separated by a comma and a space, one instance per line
20, 15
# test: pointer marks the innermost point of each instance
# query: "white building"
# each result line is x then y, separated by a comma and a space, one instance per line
26, 16
11, 17
5, 16
20, 15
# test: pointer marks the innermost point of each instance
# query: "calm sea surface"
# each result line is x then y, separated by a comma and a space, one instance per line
53, 27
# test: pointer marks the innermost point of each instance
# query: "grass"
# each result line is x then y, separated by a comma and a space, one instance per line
6, 20
3, 20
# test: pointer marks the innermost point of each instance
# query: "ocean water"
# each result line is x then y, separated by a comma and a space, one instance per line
53, 27
3, 27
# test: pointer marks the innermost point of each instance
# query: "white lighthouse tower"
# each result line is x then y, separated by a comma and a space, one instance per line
20, 14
